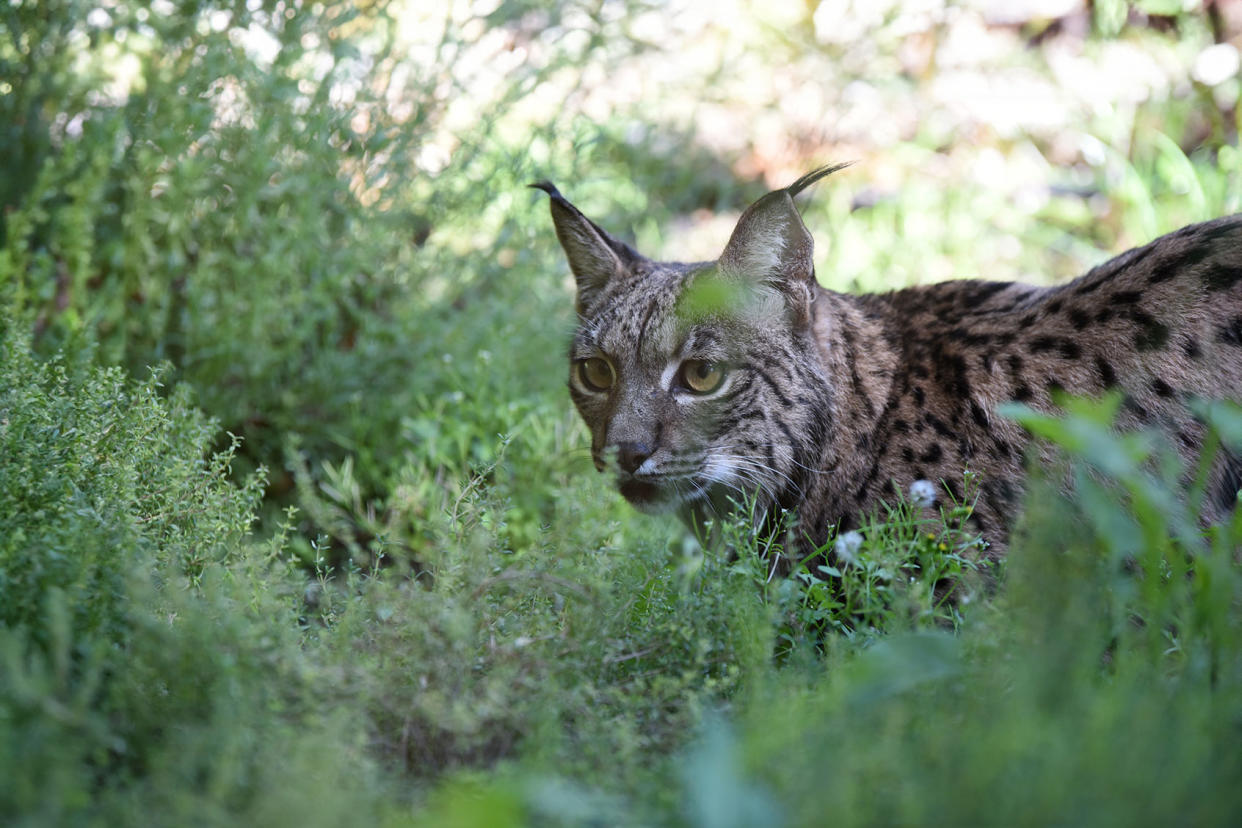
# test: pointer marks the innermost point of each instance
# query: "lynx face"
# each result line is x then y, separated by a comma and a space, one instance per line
699, 382
676, 370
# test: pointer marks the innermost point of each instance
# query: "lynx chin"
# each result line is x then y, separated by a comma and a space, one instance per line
705, 381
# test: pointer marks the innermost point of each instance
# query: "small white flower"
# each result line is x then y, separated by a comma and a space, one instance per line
1214, 65
923, 493
846, 547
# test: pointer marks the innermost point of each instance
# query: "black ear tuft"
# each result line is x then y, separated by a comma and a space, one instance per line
810, 178
548, 187
595, 257
771, 245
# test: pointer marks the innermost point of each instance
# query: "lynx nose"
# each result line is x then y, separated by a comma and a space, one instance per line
630, 455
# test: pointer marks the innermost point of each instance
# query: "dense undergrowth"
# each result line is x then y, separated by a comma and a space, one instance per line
296, 526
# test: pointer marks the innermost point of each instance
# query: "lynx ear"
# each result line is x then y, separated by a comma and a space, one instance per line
771, 244
594, 255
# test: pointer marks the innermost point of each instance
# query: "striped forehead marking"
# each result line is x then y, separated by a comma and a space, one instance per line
633, 317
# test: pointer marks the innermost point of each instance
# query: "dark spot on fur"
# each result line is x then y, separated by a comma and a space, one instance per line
1151, 335
901, 426
1022, 393
938, 424
980, 522
1221, 276
1189, 258
1005, 490
1055, 306
987, 290
1042, 343
1127, 297
1079, 318
932, 454
980, 416
920, 398
1107, 375
907, 454
1226, 494
970, 338
1136, 408
951, 372
1103, 315
1089, 286
1191, 348
965, 450
1069, 349
1231, 332
1161, 387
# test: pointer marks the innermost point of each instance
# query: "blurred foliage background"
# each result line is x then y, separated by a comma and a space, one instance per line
298, 523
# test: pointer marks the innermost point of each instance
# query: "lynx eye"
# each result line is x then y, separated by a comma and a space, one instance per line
701, 376
596, 374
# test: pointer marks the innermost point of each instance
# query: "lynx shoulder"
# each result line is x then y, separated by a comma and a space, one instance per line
708, 380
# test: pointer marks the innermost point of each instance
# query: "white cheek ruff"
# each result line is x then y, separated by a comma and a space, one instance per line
719, 468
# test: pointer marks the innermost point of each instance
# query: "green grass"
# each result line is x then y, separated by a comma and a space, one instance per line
297, 525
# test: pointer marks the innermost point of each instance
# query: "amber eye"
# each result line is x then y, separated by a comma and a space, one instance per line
701, 376
596, 374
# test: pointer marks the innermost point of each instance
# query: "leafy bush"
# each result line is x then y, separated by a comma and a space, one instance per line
100, 477
250, 209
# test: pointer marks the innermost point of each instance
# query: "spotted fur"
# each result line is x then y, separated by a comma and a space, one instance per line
829, 400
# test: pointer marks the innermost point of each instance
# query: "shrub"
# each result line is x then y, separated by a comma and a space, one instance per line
237, 190
101, 477
149, 663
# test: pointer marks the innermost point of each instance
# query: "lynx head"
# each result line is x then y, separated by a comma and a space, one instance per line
698, 381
